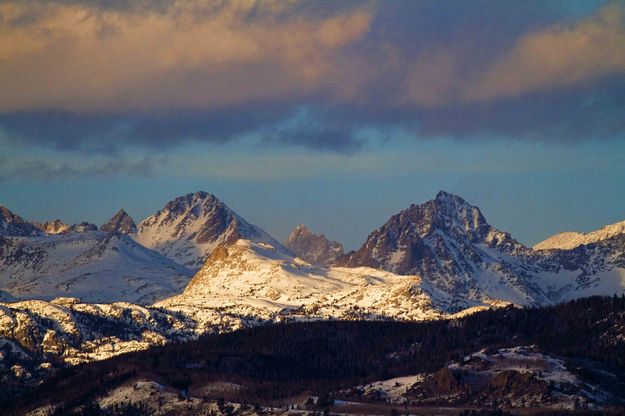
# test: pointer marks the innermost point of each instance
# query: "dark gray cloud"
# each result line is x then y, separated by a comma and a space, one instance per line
50, 170
595, 111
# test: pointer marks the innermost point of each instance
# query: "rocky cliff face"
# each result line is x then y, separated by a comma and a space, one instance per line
52, 227
314, 248
121, 223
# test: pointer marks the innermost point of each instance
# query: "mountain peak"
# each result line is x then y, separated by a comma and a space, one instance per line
182, 203
441, 240
443, 195
444, 198
446, 212
188, 228
300, 230
52, 227
314, 248
12, 224
121, 222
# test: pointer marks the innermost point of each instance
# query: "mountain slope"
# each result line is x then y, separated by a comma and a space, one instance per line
449, 243
13, 225
570, 240
314, 248
257, 280
190, 227
92, 265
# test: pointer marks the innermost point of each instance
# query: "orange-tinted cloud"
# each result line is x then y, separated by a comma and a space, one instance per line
197, 54
76, 58
564, 54
555, 56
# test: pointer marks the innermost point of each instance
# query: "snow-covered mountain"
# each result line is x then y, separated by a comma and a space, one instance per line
109, 265
570, 240
13, 225
92, 265
190, 227
121, 222
241, 285
314, 248
257, 280
440, 259
448, 242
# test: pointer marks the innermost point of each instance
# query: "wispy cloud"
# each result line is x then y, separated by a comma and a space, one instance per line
42, 169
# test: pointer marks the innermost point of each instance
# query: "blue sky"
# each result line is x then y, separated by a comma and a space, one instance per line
333, 114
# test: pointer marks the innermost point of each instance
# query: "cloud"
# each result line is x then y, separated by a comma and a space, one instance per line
564, 54
42, 169
102, 76
78, 58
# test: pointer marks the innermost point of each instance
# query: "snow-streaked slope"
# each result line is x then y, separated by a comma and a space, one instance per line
189, 228
80, 332
257, 280
570, 240
94, 266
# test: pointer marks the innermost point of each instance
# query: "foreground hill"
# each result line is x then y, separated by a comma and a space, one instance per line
570, 355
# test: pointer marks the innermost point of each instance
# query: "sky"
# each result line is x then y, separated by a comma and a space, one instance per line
333, 114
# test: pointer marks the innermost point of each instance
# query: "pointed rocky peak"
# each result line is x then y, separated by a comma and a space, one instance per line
52, 227
189, 227
195, 201
200, 214
448, 213
13, 225
298, 232
439, 239
314, 248
121, 223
